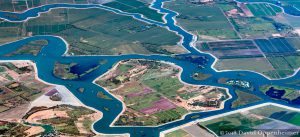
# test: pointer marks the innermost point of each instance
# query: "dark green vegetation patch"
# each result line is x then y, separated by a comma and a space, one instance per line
208, 22
234, 122
244, 98
136, 6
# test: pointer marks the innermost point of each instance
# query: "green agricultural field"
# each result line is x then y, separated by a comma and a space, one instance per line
282, 54
295, 120
124, 68
136, 6
250, 120
131, 6
234, 122
270, 110
260, 65
227, 6
170, 115
97, 32
10, 5
207, 22
285, 65
234, 55
188, 95
178, 133
255, 27
231, 49
143, 102
165, 85
295, 42
2, 69
279, 63
20, 5
31, 48
6, 5
294, 3
10, 31
244, 98
293, 61
263, 9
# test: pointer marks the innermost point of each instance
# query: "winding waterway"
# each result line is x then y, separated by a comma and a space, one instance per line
56, 49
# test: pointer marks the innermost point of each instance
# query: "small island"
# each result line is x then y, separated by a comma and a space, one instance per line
63, 71
287, 94
73, 71
244, 98
101, 95
201, 76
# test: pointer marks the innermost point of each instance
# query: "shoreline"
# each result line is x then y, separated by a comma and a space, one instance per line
107, 91
176, 24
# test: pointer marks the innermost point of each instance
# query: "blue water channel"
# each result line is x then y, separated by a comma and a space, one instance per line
56, 49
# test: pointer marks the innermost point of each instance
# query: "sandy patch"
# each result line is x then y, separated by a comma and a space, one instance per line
34, 130
92, 117
175, 49
67, 98
2, 79
45, 114
276, 35
81, 128
208, 38
202, 98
